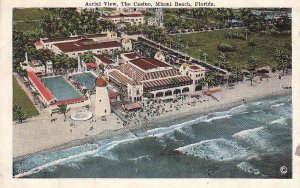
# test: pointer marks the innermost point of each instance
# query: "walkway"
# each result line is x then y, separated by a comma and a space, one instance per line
167, 50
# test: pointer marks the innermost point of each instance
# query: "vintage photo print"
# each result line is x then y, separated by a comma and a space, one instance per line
141, 90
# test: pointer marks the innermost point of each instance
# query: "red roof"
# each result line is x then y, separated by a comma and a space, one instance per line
86, 44
81, 99
94, 65
73, 38
194, 67
113, 95
43, 90
148, 63
132, 55
104, 59
132, 106
37, 43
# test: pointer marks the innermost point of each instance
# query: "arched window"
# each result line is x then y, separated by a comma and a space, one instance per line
185, 90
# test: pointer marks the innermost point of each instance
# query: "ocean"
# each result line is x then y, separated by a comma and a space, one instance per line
252, 140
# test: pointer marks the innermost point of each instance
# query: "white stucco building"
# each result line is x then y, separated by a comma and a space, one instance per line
102, 102
133, 18
149, 75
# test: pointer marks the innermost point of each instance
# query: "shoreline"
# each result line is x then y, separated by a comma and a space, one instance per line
165, 120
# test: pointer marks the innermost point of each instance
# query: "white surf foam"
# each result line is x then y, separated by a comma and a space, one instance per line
281, 121
258, 139
245, 166
217, 149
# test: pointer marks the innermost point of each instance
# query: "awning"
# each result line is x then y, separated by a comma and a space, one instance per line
93, 65
113, 95
132, 106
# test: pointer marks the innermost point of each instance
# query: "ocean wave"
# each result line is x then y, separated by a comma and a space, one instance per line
45, 161
281, 121
216, 149
259, 139
277, 105
245, 166
140, 158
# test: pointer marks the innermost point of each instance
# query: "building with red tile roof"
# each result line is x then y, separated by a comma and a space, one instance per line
143, 75
40, 87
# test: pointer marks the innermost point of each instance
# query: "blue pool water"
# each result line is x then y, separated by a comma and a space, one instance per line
86, 79
60, 88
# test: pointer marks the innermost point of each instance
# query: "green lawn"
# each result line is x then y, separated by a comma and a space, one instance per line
28, 14
27, 19
208, 42
21, 99
28, 26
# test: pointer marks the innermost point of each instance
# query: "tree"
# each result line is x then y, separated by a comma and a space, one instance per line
209, 80
251, 77
88, 57
222, 57
199, 53
252, 60
63, 109
236, 72
246, 32
205, 56
19, 114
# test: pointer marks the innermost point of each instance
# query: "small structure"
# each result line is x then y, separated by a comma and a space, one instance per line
160, 56
195, 72
133, 18
49, 67
81, 116
102, 103
35, 66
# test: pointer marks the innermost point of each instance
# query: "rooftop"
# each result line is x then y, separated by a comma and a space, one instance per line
43, 90
104, 59
132, 55
148, 63
86, 44
60, 39
122, 15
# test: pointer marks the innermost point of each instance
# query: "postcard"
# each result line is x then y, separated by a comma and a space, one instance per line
179, 93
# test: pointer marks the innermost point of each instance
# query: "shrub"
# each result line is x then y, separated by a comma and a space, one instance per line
224, 47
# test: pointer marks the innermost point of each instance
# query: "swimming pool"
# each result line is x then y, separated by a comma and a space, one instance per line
86, 79
60, 88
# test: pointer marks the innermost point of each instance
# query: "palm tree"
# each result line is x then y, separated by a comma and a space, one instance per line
199, 53
19, 114
63, 110
236, 72
252, 61
246, 32
209, 80
222, 57
205, 56
251, 77
283, 64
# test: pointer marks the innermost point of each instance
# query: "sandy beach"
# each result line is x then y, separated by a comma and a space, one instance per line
39, 134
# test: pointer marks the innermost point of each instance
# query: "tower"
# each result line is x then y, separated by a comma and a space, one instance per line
102, 103
49, 67
159, 17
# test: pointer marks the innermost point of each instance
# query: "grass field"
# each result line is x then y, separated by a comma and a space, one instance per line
21, 99
27, 19
208, 42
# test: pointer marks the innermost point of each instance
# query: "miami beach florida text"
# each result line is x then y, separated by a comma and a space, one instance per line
147, 4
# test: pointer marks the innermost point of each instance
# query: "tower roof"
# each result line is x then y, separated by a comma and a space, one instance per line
101, 82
